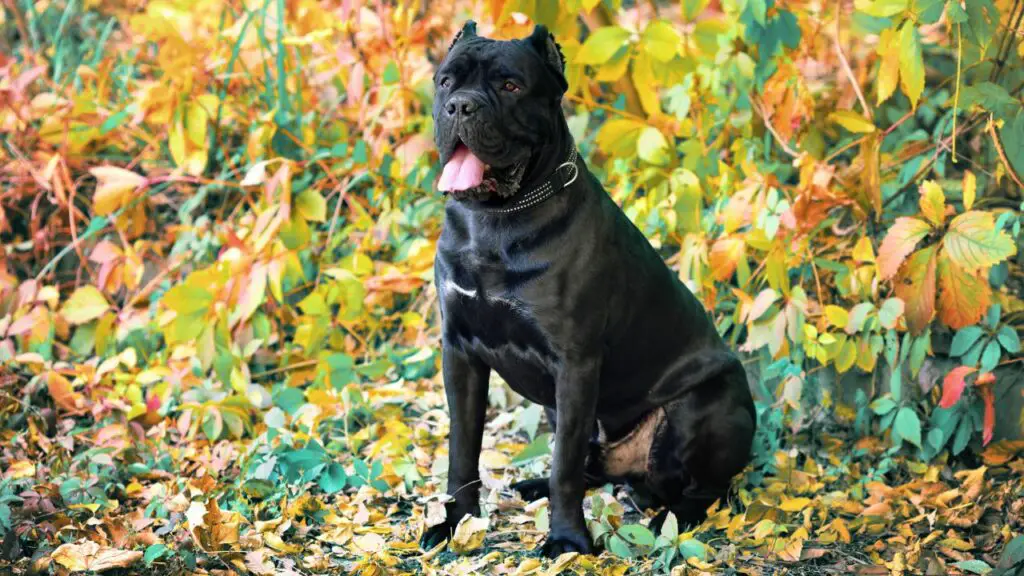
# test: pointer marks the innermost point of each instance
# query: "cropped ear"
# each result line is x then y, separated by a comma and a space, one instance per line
544, 43
468, 31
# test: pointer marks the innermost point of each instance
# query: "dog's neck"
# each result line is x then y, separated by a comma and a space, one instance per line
546, 159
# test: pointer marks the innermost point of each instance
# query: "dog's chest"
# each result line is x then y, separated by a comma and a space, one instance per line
487, 312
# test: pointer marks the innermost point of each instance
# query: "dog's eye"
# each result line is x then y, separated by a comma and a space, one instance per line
510, 86
446, 82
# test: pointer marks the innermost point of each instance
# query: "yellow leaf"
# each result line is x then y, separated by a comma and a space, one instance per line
602, 44
528, 566
837, 316
113, 186
311, 205
863, 251
86, 555
911, 62
888, 66
970, 189
469, 534
492, 459
85, 304
795, 504
274, 541
852, 121
933, 203
20, 469
176, 143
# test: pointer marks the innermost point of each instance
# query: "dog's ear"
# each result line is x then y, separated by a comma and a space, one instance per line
544, 43
468, 31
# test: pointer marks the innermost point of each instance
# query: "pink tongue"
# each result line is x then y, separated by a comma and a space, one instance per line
462, 172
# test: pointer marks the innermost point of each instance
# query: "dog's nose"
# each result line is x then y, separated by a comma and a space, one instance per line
460, 104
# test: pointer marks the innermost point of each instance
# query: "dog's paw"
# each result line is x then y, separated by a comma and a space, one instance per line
533, 490
436, 534
560, 542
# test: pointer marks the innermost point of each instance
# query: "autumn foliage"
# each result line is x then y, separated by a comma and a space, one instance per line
218, 320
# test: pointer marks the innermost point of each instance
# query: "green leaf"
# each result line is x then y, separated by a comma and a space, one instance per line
539, 447
661, 41
1012, 136
911, 63
858, 315
154, 552
670, 528
1013, 553
983, 21
907, 426
652, 146
973, 242
333, 478
890, 312
619, 547
963, 435
990, 97
311, 205
637, 535
759, 9
85, 304
691, 548
964, 339
973, 566
602, 45
883, 405
990, 357
1009, 339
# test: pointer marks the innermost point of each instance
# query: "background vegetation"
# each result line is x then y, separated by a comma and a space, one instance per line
217, 317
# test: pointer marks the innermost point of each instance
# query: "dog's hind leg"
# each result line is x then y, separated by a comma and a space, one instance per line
703, 442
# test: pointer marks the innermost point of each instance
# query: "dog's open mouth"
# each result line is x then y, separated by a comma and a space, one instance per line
465, 171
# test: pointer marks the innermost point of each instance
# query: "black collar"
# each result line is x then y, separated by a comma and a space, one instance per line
564, 175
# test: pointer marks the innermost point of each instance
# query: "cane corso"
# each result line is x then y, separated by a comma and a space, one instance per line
542, 278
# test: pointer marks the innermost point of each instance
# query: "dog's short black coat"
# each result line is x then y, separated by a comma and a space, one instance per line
569, 303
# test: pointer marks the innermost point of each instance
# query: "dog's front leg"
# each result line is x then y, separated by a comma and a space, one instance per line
576, 405
465, 386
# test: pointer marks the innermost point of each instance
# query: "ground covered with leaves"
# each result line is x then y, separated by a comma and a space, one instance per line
218, 326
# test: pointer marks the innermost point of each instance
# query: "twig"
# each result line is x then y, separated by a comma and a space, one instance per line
768, 124
991, 129
846, 64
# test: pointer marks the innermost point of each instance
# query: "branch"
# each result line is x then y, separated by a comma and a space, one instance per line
846, 64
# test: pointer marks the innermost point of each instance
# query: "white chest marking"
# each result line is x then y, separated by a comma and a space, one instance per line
451, 287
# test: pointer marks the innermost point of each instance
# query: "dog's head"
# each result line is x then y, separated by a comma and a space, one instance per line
496, 104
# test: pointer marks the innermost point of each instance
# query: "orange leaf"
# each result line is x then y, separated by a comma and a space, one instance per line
899, 242
63, 394
725, 255
990, 415
963, 297
915, 285
953, 385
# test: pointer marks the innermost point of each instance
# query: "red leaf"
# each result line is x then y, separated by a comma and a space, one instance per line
990, 415
953, 385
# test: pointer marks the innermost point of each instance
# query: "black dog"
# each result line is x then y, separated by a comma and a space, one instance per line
543, 278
